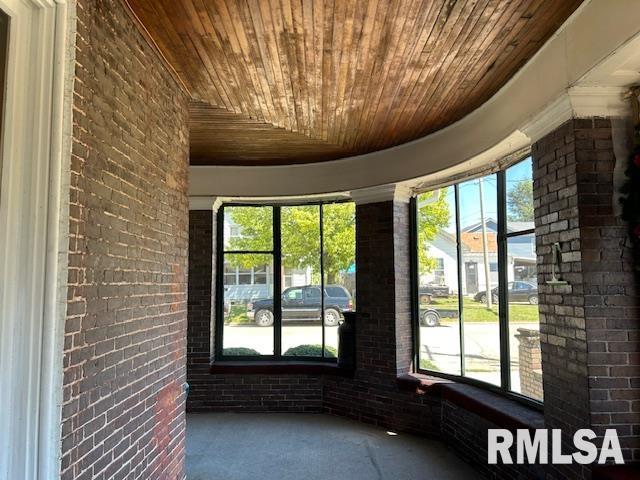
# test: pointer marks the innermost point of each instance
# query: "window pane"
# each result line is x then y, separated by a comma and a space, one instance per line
248, 308
301, 322
438, 282
479, 228
248, 228
524, 321
339, 220
520, 196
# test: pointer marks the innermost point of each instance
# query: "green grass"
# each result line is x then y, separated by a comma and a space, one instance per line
238, 316
477, 312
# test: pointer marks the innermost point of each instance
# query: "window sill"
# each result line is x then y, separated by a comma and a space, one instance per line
497, 409
278, 367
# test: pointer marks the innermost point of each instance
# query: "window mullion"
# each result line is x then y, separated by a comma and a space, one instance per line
460, 296
277, 282
503, 281
321, 226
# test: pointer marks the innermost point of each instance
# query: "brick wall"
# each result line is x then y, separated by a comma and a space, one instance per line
201, 241
612, 293
124, 351
589, 328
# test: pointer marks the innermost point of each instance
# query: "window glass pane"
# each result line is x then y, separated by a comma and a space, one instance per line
301, 322
248, 228
520, 196
478, 230
439, 340
524, 321
339, 220
248, 308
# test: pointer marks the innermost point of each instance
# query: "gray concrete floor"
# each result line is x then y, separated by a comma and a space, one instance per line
253, 446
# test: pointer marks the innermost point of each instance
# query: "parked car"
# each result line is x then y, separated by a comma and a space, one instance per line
303, 303
429, 317
518, 292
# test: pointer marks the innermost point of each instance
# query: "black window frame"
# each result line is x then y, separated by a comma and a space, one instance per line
503, 298
278, 284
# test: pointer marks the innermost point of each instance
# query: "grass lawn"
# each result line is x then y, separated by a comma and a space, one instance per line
238, 316
477, 312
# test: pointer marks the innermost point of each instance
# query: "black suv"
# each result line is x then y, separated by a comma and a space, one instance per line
303, 303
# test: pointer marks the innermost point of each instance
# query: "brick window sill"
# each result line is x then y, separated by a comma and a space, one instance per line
498, 409
278, 367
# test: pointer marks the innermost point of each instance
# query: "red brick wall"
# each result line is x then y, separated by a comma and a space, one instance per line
124, 352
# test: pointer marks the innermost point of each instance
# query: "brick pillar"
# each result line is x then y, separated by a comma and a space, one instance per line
200, 300
530, 362
589, 328
384, 333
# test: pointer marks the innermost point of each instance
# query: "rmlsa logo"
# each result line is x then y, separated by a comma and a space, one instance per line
532, 446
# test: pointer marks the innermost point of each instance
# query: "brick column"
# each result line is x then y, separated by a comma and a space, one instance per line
530, 361
589, 328
200, 299
383, 302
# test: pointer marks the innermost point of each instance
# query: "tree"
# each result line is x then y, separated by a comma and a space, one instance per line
433, 216
300, 234
520, 201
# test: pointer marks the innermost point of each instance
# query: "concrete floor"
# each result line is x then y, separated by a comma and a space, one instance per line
253, 446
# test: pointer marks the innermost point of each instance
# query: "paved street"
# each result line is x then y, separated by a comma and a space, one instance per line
481, 339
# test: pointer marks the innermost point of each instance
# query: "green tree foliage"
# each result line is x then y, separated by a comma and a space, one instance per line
520, 201
300, 237
433, 215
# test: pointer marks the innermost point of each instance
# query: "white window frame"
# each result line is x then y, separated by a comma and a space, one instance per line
36, 151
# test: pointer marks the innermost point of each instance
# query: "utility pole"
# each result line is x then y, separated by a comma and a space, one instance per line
485, 249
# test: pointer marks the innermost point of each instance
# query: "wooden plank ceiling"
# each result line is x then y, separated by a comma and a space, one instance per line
294, 81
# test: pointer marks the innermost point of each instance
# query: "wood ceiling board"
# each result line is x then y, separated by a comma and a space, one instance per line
345, 75
220, 137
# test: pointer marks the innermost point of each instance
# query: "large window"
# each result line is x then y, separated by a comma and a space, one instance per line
286, 275
477, 295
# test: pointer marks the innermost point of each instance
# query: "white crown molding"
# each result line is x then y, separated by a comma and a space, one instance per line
383, 193
599, 101
550, 118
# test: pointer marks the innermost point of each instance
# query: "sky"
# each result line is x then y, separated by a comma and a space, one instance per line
469, 195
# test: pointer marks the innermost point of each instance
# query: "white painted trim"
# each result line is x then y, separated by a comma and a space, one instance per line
201, 203
383, 193
33, 241
600, 36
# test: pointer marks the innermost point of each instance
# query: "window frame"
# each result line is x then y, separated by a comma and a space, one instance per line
503, 297
278, 284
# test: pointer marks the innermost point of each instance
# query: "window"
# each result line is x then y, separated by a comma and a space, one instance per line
261, 315
477, 239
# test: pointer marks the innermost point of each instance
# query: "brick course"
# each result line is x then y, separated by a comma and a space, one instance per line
124, 346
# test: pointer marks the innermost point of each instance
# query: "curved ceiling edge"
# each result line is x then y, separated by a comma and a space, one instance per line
533, 102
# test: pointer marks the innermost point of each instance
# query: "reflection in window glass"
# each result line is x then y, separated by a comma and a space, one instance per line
439, 345
301, 323
248, 228
478, 238
524, 321
248, 308
339, 249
